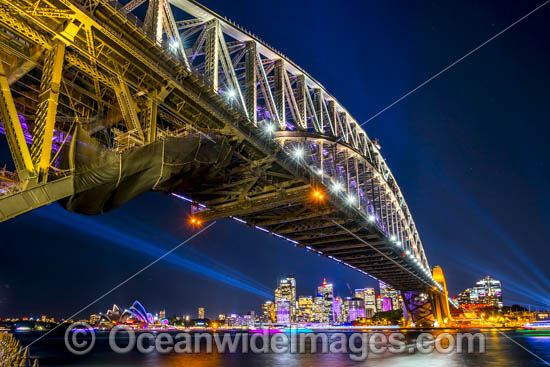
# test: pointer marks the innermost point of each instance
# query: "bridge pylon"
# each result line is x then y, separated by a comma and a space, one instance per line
430, 308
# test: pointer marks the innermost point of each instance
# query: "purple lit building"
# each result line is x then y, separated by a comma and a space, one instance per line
283, 311
386, 304
356, 309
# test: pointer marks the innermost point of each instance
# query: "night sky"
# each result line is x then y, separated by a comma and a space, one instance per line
469, 150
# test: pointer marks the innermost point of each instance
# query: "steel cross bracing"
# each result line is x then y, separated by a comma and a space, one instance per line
94, 65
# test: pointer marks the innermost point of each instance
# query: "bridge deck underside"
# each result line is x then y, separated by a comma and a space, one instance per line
318, 226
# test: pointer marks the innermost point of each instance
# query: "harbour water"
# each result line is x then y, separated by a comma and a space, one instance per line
502, 348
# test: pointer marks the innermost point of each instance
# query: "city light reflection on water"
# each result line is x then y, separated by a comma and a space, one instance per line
500, 351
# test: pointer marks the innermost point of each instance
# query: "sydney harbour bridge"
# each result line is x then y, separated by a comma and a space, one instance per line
101, 102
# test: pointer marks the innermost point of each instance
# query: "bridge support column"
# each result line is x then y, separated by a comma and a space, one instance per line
47, 110
251, 81
419, 309
14, 132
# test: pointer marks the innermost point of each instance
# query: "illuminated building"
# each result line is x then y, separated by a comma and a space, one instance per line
396, 303
489, 291
369, 297
326, 291
201, 313
94, 319
221, 316
249, 320
356, 308
464, 298
268, 311
135, 314
378, 303
287, 291
318, 304
305, 309
344, 310
162, 315
337, 309
386, 304
283, 311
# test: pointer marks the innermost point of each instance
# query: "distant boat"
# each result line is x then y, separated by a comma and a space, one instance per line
538, 325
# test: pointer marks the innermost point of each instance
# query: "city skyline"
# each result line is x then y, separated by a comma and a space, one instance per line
380, 298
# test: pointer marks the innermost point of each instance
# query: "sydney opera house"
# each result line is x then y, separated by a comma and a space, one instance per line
136, 314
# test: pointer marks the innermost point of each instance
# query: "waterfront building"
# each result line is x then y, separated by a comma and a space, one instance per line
318, 304
268, 311
489, 291
396, 303
344, 311
464, 298
201, 313
94, 319
162, 315
283, 311
337, 309
356, 308
369, 297
305, 309
287, 291
326, 291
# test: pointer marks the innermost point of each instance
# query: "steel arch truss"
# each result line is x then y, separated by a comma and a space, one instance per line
93, 65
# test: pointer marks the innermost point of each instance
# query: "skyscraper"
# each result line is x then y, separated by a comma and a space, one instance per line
305, 309
369, 297
396, 303
162, 315
268, 311
287, 291
201, 313
318, 303
326, 291
337, 309
283, 311
344, 310
487, 291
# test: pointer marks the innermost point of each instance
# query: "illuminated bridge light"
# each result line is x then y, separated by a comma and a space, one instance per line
336, 187
174, 45
393, 238
319, 171
231, 94
372, 218
298, 153
239, 220
269, 128
317, 194
350, 200
262, 229
194, 221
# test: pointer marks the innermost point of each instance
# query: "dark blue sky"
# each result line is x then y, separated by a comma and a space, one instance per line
469, 150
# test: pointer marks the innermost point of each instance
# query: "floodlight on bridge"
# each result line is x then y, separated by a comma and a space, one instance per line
298, 153
318, 195
350, 200
231, 94
372, 218
174, 46
269, 128
393, 238
196, 222
336, 187
319, 172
